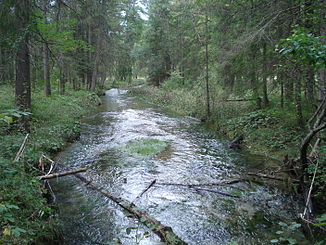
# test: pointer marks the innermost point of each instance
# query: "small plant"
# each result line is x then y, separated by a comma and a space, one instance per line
321, 220
8, 116
286, 232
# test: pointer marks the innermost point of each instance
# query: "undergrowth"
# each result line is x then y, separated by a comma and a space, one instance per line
25, 215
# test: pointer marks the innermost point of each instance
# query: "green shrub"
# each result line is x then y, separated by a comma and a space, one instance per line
25, 216
24, 213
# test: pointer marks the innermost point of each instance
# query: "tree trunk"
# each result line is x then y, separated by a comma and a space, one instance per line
207, 64
63, 79
265, 66
23, 82
321, 90
95, 69
2, 67
298, 103
46, 66
282, 93
46, 70
309, 88
253, 77
288, 87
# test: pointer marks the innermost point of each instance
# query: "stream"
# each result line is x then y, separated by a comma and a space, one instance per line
192, 155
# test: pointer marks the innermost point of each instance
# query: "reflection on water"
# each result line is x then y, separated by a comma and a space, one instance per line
196, 216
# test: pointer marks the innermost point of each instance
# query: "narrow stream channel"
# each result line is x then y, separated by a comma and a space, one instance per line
193, 156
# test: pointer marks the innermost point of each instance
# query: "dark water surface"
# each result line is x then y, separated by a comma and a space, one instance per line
193, 156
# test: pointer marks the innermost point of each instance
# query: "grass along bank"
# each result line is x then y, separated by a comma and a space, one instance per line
25, 215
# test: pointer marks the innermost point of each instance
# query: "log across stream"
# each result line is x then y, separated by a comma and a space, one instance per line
157, 163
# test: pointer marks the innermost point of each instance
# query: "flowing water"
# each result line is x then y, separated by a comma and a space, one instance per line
192, 156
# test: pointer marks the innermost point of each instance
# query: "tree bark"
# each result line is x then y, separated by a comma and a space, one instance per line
62, 81
46, 66
265, 67
298, 103
207, 63
310, 83
253, 77
95, 69
321, 90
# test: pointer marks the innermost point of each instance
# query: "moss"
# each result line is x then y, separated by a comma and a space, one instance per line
146, 147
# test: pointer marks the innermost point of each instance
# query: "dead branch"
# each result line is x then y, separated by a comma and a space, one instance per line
56, 175
42, 164
214, 191
313, 223
207, 184
21, 149
147, 188
266, 176
237, 100
164, 232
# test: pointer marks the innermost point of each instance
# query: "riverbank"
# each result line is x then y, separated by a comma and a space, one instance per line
269, 132
25, 214
272, 132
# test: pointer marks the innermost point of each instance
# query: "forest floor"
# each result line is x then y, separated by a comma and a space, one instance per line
25, 214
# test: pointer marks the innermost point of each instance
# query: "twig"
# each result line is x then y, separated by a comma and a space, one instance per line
269, 177
52, 163
21, 149
309, 192
312, 223
214, 191
147, 188
206, 184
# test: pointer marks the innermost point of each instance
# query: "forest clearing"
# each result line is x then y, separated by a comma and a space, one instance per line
163, 122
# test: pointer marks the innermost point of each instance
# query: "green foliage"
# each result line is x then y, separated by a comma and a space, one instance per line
321, 220
285, 233
304, 48
175, 81
60, 35
24, 214
253, 120
8, 116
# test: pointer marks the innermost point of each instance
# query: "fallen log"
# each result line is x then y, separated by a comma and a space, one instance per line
56, 175
164, 232
266, 176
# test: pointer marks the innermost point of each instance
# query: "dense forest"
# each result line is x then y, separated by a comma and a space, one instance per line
250, 70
